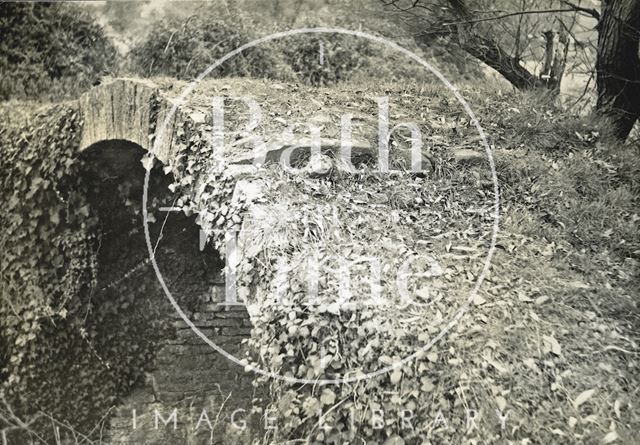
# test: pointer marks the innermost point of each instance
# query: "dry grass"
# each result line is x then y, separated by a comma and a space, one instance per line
557, 317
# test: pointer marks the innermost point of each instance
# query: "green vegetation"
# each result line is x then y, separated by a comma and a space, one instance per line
48, 265
561, 287
566, 263
185, 48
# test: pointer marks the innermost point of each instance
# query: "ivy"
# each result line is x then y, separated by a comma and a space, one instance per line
60, 354
46, 245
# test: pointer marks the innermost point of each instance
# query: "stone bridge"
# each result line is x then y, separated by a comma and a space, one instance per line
195, 395
120, 121
132, 110
194, 392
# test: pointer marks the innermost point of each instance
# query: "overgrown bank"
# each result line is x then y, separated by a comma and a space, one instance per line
560, 293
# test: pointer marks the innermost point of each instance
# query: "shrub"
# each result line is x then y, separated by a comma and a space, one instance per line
48, 50
184, 49
324, 59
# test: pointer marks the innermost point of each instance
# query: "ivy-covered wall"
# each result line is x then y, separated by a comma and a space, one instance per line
82, 316
47, 270
179, 371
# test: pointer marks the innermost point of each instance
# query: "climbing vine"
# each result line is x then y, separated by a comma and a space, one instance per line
48, 263
61, 295
293, 250
202, 184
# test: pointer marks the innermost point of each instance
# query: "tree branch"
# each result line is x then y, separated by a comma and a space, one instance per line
511, 14
590, 11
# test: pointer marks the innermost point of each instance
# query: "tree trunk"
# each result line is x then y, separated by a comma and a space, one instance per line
618, 64
483, 47
489, 51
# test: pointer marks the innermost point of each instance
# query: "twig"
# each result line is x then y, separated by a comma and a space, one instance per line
616, 348
584, 92
511, 14
590, 11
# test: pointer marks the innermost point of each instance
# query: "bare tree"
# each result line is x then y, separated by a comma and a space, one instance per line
480, 33
496, 36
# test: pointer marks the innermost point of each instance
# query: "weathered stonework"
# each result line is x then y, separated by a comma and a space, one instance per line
195, 395
211, 395
120, 110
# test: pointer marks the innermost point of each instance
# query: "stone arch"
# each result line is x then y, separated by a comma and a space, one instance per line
118, 119
124, 110
117, 110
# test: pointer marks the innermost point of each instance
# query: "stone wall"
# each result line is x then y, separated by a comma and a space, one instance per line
190, 393
195, 395
211, 395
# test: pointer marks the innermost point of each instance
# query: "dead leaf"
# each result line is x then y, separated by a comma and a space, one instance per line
396, 375
578, 285
328, 397
394, 440
583, 397
147, 162
610, 437
541, 300
553, 344
531, 363
478, 300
